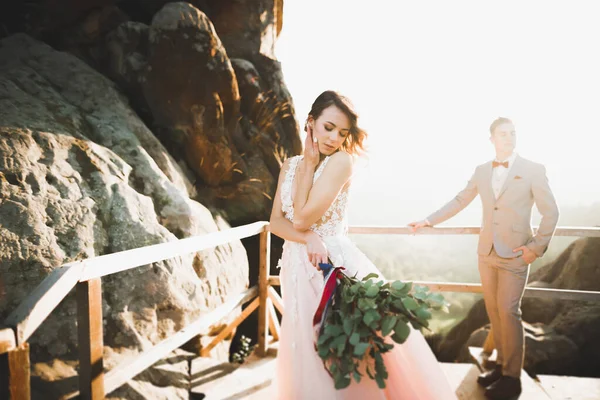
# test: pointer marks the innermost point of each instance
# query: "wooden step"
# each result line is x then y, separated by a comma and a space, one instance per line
463, 377
207, 373
531, 388
570, 387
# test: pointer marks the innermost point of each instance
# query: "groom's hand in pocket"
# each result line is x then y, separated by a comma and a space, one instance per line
528, 256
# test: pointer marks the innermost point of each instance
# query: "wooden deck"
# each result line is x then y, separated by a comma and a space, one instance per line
570, 387
252, 380
225, 381
463, 377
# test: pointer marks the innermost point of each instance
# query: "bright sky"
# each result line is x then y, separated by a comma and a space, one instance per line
427, 78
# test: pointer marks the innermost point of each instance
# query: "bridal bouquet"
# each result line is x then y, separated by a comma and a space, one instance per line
356, 317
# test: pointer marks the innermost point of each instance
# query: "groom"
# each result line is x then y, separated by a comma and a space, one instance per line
508, 187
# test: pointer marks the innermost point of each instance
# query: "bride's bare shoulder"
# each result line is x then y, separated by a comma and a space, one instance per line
342, 160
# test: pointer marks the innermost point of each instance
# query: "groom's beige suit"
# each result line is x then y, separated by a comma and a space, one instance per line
507, 201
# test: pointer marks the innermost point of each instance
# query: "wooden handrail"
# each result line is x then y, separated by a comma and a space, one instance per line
546, 293
36, 307
111, 263
34, 310
463, 230
457, 287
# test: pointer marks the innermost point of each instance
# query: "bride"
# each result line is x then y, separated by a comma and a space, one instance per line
309, 212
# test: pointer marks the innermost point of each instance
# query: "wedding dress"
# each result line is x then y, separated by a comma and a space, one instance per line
414, 373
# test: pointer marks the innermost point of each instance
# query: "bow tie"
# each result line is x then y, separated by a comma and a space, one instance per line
497, 164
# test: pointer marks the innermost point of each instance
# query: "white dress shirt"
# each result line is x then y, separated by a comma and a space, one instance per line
500, 173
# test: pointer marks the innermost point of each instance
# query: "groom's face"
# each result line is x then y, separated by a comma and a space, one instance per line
331, 129
504, 138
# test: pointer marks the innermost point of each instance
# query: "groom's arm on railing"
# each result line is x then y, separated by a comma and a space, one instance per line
457, 204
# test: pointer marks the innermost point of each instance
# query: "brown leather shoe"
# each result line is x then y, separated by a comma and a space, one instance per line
504, 388
489, 377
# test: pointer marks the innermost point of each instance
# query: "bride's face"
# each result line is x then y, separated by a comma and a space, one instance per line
331, 128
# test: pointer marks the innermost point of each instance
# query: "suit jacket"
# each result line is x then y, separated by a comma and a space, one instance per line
506, 221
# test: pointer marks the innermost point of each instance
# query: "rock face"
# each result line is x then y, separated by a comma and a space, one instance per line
560, 334
248, 27
173, 62
198, 108
91, 166
126, 124
577, 268
81, 176
230, 120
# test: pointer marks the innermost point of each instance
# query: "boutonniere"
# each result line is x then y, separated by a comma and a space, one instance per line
518, 177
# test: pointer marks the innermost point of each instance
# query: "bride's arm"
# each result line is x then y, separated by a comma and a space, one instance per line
282, 227
279, 225
304, 177
311, 201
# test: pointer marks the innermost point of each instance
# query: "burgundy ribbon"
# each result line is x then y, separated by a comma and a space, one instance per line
327, 295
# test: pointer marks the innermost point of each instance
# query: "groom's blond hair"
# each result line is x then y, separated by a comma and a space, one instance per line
499, 121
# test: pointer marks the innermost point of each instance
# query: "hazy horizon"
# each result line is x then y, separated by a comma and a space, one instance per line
458, 66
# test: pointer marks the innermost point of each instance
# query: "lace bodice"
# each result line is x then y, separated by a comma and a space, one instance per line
334, 222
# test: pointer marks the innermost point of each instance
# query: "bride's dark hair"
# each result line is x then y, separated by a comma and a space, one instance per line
354, 143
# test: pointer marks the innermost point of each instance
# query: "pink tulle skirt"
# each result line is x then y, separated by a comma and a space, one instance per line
414, 373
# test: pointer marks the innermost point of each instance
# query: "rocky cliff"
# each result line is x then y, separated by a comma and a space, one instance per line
126, 124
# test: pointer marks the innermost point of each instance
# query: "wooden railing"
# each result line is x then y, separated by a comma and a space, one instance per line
86, 275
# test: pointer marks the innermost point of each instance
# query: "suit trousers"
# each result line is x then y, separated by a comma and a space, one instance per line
503, 281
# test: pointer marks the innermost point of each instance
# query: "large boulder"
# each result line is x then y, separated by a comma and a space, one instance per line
230, 121
246, 27
80, 176
577, 268
192, 93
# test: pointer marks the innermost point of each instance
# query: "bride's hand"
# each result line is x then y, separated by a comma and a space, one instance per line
316, 249
311, 148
